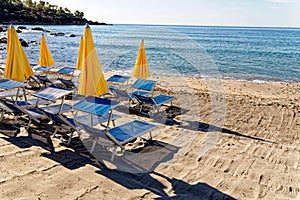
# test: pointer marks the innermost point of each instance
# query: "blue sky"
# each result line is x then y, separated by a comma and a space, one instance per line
189, 12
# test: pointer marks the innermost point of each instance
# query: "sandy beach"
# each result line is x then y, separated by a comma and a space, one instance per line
227, 139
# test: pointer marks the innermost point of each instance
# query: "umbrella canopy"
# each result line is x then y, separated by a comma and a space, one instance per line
79, 57
141, 69
45, 55
17, 65
92, 80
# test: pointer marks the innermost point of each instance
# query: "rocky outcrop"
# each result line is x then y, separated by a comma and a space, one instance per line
21, 27
23, 42
37, 29
20, 12
3, 40
57, 34
3, 28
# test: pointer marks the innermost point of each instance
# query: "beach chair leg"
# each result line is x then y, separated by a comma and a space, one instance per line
93, 145
150, 135
15, 121
2, 115
113, 154
55, 131
141, 108
28, 125
79, 133
70, 138
75, 92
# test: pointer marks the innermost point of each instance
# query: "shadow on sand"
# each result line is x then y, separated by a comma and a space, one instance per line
181, 189
37, 136
143, 160
168, 116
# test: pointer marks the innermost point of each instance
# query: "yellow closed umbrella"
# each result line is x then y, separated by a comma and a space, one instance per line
45, 55
92, 81
79, 57
141, 69
17, 66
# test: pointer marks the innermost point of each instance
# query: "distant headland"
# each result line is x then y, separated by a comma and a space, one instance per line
40, 13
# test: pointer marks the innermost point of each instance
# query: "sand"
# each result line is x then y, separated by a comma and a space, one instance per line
226, 139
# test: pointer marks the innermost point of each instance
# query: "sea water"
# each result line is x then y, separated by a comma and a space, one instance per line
240, 53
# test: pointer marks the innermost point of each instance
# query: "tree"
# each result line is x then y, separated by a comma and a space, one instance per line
58, 12
41, 5
79, 14
29, 3
67, 10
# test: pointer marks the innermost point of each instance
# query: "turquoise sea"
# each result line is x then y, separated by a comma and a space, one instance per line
241, 53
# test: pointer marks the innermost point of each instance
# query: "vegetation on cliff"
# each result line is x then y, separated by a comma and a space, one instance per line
32, 12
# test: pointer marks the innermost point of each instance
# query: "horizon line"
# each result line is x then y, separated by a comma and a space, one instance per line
183, 25
197, 25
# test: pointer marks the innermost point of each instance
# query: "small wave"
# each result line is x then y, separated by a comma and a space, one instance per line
260, 81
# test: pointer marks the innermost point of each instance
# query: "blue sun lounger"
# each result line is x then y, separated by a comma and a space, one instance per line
11, 89
34, 114
69, 123
119, 135
95, 106
66, 70
118, 79
122, 95
10, 94
4, 108
53, 93
16, 107
41, 76
7, 84
143, 86
56, 112
154, 102
67, 83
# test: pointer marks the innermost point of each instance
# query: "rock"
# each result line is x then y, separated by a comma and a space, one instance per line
23, 42
3, 28
37, 29
21, 27
3, 40
57, 34
72, 35
18, 31
60, 34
